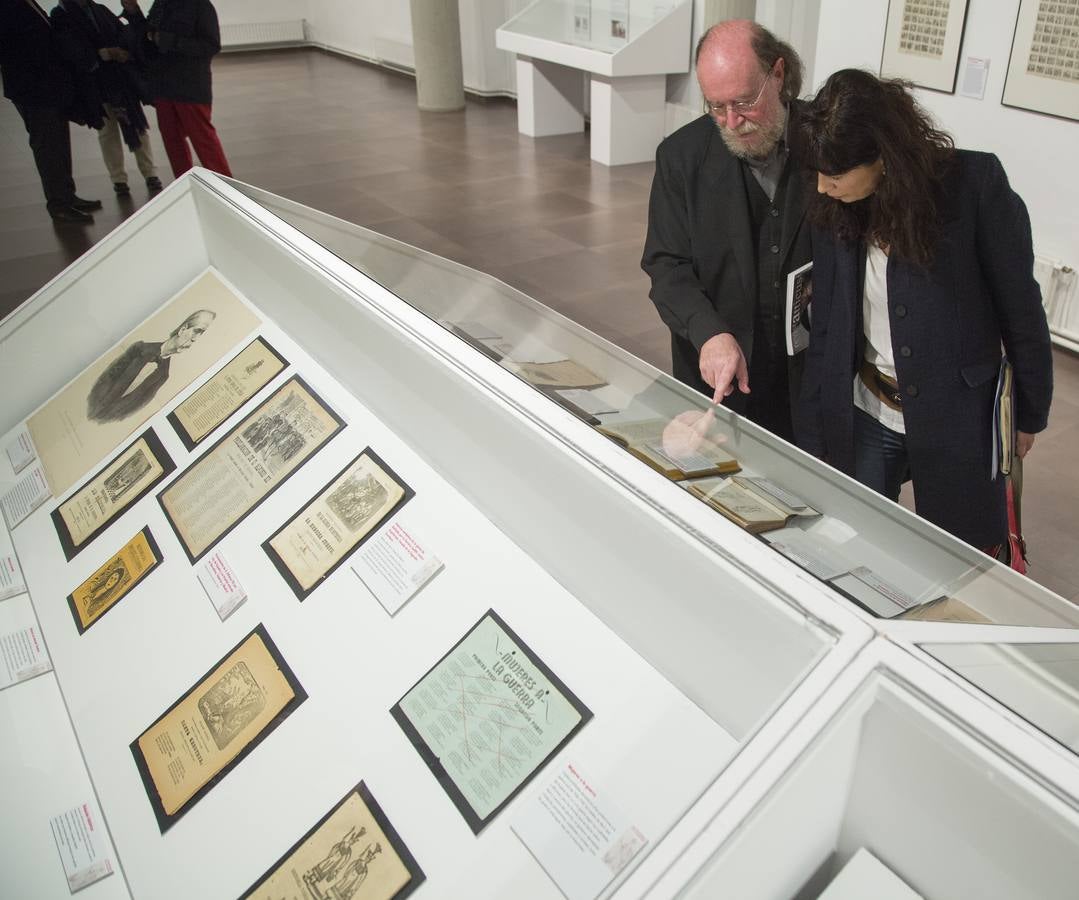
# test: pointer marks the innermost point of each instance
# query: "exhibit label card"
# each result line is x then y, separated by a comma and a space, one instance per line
335, 522
212, 727
247, 465
27, 494
12, 582
394, 564
579, 837
80, 840
113, 396
20, 451
354, 844
487, 717
230, 388
114, 580
123, 482
22, 656
221, 585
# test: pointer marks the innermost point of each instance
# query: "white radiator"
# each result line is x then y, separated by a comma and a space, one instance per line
1061, 299
259, 35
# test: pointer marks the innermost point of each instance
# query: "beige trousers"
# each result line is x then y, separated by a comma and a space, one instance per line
112, 149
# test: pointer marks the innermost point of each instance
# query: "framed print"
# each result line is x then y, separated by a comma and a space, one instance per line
114, 580
922, 40
125, 480
351, 852
487, 718
1043, 69
249, 463
75, 430
333, 523
214, 725
228, 389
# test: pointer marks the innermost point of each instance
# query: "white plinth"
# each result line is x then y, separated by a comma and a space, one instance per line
627, 118
550, 98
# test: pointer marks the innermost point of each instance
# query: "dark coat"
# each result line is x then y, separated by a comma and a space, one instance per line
33, 71
188, 37
700, 251
948, 324
99, 81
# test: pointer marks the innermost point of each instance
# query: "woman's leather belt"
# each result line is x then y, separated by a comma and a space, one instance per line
880, 385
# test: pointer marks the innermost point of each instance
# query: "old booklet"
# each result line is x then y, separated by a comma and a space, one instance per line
746, 503
126, 479
561, 374
115, 394
214, 725
228, 389
114, 580
487, 718
335, 522
645, 441
351, 852
252, 460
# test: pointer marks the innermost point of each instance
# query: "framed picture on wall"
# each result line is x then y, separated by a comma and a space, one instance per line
922, 39
1043, 70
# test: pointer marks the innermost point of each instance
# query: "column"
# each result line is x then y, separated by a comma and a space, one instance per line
436, 41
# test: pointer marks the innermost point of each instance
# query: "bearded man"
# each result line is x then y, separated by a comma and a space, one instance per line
725, 226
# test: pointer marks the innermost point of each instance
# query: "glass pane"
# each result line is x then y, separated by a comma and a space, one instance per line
603, 25
872, 551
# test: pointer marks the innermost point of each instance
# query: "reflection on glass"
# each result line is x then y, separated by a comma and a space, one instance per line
1040, 682
602, 25
875, 553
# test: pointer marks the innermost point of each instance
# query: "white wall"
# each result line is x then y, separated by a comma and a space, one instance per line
246, 12
381, 31
1039, 152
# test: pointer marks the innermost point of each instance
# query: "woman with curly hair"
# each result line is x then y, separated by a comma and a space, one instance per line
922, 278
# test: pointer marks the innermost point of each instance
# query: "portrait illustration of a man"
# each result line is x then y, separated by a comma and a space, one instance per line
131, 381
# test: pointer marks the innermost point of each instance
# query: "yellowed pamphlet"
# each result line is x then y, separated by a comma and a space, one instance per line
212, 724
348, 855
112, 581
226, 391
335, 522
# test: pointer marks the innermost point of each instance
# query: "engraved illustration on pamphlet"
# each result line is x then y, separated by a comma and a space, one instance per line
245, 466
122, 482
209, 729
336, 521
80, 426
226, 391
924, 26
487, 717
353, 852
1054, 46
114, 579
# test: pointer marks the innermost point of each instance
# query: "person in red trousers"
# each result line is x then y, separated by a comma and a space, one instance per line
176, 40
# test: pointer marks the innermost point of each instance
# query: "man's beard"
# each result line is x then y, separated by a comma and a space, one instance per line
752, 140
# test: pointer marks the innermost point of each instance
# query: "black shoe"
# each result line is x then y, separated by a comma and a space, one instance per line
153, 184
121, 188
85, 205
72, 215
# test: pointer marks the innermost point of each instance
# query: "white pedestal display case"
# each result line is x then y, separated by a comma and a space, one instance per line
625, 49
698, 656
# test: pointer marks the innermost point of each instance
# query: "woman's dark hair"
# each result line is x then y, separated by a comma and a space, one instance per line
856, 119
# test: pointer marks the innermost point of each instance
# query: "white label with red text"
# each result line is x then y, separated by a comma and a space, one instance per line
26, 495
221, 585
20, 451
22, 656
80, 840
579, 837
394, 564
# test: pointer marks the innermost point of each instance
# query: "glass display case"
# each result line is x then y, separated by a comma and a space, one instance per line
728, 699
625, 48
613, 578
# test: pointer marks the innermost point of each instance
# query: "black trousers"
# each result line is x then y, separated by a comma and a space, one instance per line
50, 141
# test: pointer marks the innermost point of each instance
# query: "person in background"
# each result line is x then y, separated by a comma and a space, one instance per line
177, 39
923, 271
725, 226
92, 41
38, 83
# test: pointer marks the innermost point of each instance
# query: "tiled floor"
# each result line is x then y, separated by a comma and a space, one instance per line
536, 213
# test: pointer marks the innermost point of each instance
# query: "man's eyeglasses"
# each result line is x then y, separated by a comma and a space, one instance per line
740, 107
